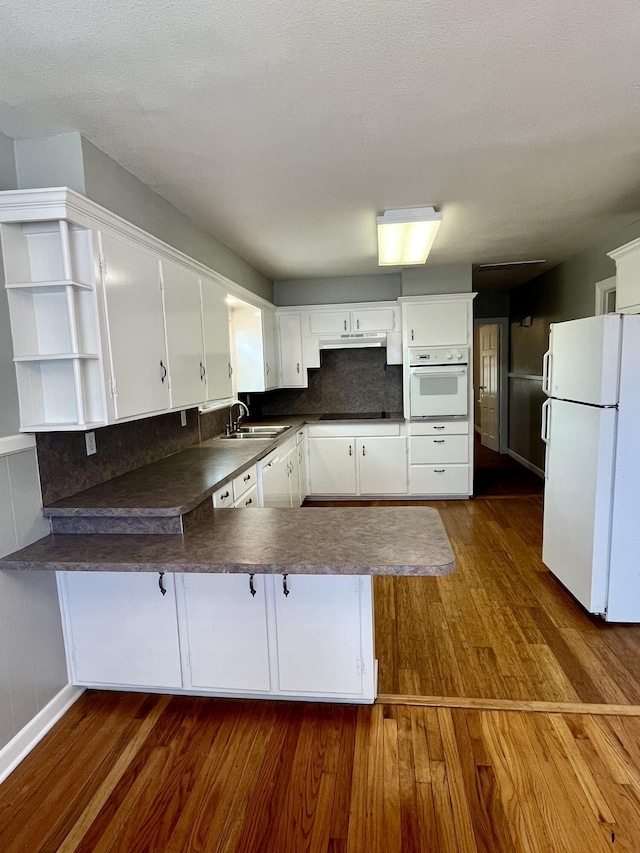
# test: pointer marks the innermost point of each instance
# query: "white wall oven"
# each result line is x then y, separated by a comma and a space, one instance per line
438, 382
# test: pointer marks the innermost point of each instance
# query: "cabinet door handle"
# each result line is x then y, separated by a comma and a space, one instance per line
164, 371
230, 371
202, 371
345, 325
297, 367
364, 451
252, 588
358, 323
350, 451
161, 585
285, 588
267, 366
411, 334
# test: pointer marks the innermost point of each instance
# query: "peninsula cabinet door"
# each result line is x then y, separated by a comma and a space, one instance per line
135, 321
226, 630
319, 648
121, 630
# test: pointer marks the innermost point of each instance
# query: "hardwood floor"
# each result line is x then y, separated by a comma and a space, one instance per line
444, 762
147, 774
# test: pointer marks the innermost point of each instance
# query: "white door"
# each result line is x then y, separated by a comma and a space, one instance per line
227, 632
489, 385
319, 646
217, 347
382, 464
135, 323
329, 322
183, 324
122, 630
332, 469
292, 372
583, 360
374, 320
577, 498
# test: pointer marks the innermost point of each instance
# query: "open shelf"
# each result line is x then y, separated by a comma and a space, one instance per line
51, 286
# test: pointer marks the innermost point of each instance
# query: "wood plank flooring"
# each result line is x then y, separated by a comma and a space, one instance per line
509, 722
152, 774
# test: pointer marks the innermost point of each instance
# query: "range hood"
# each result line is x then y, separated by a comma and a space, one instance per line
353, 341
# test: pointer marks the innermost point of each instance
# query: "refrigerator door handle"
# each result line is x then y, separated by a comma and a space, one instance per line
546, 373
544, 430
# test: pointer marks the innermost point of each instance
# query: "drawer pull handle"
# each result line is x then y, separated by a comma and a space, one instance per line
438, 440
247, 478
250, 501
252, 588
438, 427
163, 588
225, 496
285, 588
438, 470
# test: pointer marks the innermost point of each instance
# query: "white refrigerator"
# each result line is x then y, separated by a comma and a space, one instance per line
591, 427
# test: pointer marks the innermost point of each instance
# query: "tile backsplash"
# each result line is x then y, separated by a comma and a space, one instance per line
66, 469
353, 380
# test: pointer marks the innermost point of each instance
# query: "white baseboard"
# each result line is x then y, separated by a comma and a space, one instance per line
477, 429
21, 745
526, 463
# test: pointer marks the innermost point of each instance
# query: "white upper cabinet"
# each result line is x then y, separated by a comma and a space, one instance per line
254, 347
627, 260
183, 325
292, 370
271, 353
135, 322
217, 346
437, 322
359, 318
329, 322
374, 320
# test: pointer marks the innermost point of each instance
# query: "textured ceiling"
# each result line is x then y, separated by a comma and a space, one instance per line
284, 127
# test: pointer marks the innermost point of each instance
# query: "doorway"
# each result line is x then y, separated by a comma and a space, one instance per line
490, 360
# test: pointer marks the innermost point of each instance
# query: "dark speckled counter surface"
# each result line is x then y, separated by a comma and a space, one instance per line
331, 540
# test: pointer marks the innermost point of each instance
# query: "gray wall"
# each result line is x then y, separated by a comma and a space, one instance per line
431, 280
50, 161
325, 291
566, 292
32, 662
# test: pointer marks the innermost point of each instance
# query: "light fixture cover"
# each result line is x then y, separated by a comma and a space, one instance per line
406, 236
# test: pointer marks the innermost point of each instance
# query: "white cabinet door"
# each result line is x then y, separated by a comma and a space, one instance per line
271, 349
332, 468
183, 325
382, 464
227, 632
292, 372
275, 482
435, 324
135, 324
319, 648
217, 346
303, 482
121, 629
374, 320
293, 463
329, 322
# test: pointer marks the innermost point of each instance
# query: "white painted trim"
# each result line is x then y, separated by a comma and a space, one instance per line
63, 203
21, 744
603, 289
477, 429
633, 246
16, 443
534, 377
439, 297
526, 463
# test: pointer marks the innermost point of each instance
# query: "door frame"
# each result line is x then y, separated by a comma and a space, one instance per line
503, 373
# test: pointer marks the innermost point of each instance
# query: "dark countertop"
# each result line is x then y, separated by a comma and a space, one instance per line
332, 540
178, 483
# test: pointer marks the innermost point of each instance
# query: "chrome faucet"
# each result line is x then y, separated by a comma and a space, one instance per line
235, 425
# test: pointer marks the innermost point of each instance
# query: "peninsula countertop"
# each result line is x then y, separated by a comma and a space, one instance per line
328, 540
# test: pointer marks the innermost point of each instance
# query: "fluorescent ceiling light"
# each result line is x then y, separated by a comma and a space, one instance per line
406, 236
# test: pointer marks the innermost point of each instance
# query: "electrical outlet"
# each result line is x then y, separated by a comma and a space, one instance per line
90, 441
183, 418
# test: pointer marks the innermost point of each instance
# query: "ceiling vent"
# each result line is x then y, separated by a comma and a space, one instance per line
506, 267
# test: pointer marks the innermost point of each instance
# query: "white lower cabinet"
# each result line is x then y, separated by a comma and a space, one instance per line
319, 638
226, 632
440, 455
120, 629
356, 464
298, 636
279, 475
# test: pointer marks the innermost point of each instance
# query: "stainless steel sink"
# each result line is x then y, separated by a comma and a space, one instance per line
254, 432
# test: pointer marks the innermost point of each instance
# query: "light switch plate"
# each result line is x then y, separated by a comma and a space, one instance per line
90, 441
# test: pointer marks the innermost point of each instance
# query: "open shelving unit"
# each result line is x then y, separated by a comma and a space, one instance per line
50, 275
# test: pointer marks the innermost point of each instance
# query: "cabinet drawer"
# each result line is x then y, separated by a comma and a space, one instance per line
439, 479
439, 428
223, 497
249, 499
243, 482
442, 448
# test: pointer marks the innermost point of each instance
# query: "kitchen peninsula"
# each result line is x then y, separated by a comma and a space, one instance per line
185, 597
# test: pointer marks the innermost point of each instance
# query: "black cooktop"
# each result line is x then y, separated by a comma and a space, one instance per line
352, 416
